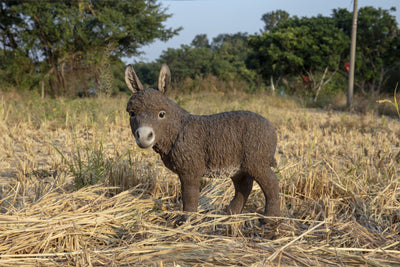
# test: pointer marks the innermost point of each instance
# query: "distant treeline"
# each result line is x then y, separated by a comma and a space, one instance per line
307, 56
70, 48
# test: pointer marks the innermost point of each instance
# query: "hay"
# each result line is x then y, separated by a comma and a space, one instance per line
339, 178
88, 228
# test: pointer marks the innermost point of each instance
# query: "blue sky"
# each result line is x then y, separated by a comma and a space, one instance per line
213, 17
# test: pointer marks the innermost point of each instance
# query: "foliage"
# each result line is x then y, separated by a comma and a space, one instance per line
88, 167
65, 43
274, 18
231, 52
317, 48
188, 61
224, 59
148, 73
304, 55
65, 48
295, 46
378, 45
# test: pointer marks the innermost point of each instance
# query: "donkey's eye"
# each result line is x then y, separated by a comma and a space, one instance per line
132, 113
161, 115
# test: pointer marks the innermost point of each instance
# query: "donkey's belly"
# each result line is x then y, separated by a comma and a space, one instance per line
222, 172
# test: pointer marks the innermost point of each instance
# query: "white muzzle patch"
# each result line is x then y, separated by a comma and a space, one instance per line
145, 137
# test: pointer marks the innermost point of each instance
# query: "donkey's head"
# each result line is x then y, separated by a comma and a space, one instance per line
155, 119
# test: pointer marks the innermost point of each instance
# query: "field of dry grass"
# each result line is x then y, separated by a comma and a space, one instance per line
339, 177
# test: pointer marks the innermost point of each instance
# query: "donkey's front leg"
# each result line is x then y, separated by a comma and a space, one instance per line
190, 187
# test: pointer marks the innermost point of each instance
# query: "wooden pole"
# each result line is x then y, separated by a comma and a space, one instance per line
350, 87
42, 89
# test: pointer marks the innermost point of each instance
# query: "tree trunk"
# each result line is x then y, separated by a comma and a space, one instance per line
321, 83
380, 82
272, 84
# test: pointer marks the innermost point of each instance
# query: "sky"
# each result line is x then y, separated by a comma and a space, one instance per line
214, 17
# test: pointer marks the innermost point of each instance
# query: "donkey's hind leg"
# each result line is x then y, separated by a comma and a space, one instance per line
270, 186
243, 185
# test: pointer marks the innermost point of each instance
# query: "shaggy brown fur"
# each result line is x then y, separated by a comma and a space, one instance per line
240, 144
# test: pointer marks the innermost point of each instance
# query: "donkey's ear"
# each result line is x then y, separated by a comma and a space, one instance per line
164, 79
132, 80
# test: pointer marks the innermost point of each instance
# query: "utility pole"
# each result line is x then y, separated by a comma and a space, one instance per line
350, 87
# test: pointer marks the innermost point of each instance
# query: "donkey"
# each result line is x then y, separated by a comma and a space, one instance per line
238, 144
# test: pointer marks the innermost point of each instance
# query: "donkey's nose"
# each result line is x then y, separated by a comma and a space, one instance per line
144, 136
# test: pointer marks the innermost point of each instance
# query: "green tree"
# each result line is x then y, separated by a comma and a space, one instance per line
378, 45
200, 41
230, 52
67, 43
274, 18
187, 61
313, 47
223, 59
272, 54
148, 72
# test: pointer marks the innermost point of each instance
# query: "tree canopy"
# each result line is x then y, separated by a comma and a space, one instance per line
378, 44
70, 46
318, 47
224, 58
50, 40
306, 55
299, 46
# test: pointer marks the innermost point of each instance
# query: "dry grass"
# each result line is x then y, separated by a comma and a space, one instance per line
339, 176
